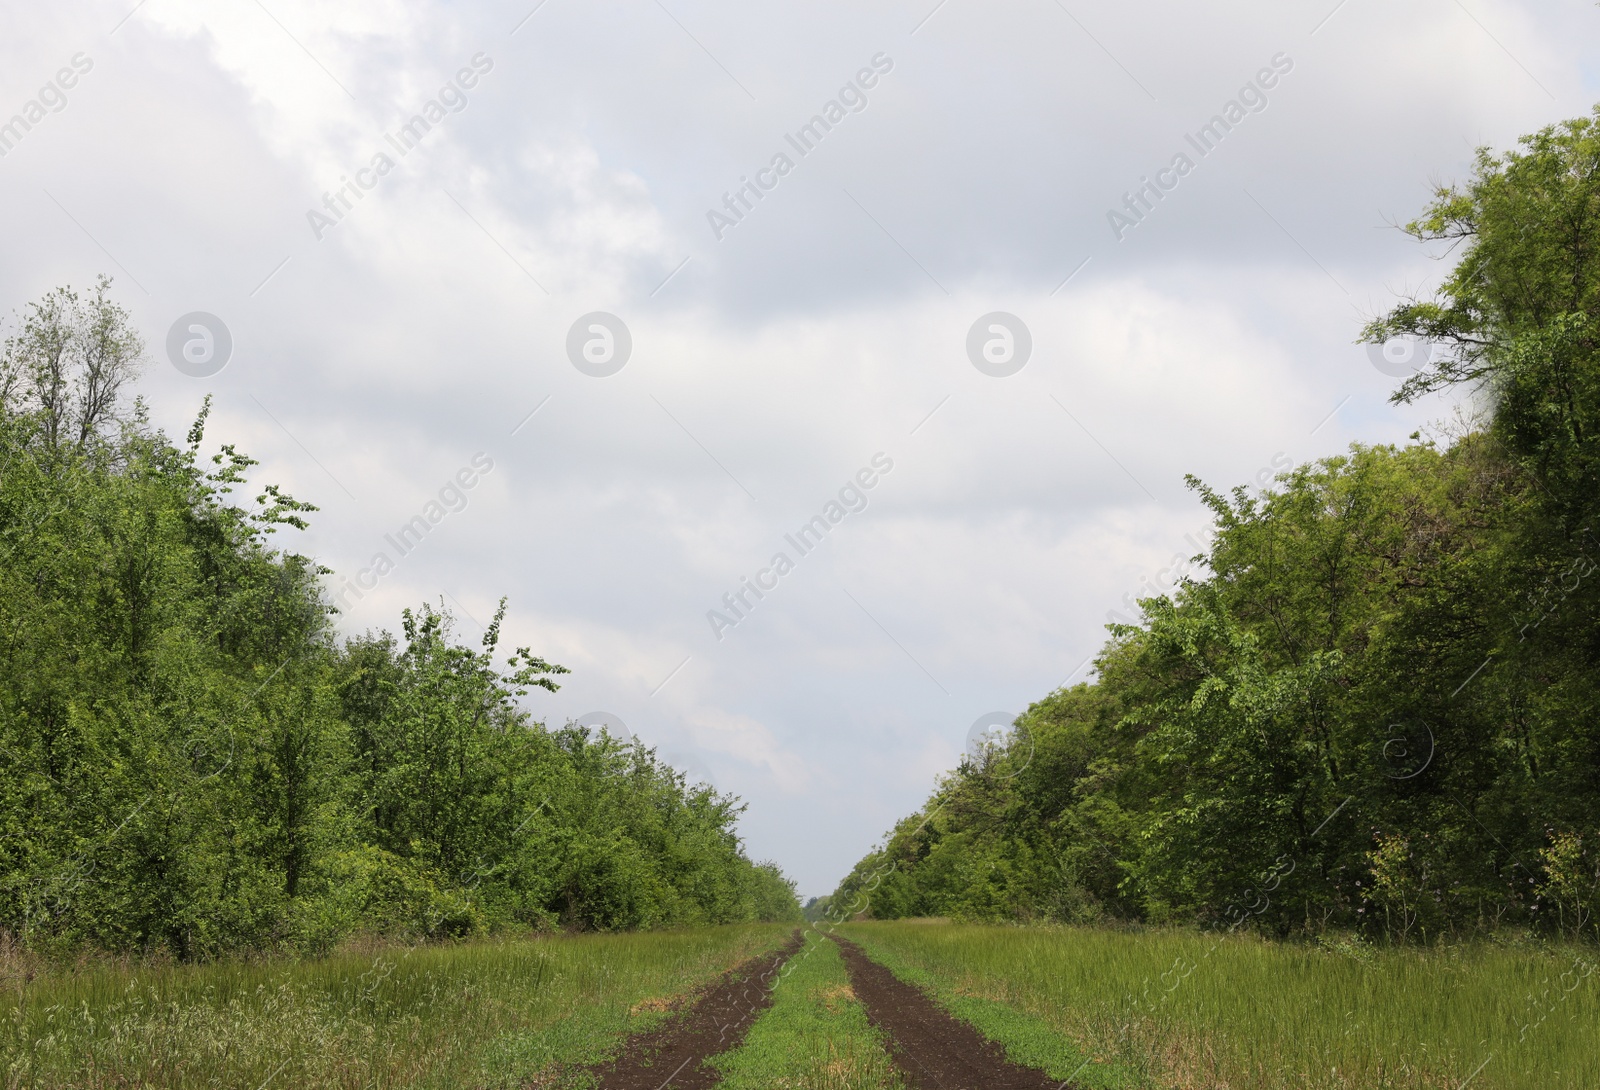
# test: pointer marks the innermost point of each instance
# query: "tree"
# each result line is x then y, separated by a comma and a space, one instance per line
192, 761
69, 362
1376, 703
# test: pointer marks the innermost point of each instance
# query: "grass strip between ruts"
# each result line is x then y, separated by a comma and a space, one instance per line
815, 1036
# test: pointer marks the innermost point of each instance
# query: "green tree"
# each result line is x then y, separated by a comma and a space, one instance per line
191, 760
1376, 705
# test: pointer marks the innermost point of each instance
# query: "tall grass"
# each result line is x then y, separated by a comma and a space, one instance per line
492, 1014
1192, 1010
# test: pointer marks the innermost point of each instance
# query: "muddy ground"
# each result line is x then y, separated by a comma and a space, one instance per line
934, 1050
674, 1054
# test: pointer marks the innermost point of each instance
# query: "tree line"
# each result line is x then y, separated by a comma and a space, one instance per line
192, 761
1377, 707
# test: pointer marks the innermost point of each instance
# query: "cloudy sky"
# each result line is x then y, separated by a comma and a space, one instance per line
399, 302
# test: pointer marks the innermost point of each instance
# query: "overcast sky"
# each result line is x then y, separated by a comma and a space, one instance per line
398, 302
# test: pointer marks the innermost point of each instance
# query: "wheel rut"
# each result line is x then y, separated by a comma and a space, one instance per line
673, 1055
935, 1050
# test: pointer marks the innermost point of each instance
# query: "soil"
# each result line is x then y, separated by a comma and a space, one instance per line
675, 1053
932, 1048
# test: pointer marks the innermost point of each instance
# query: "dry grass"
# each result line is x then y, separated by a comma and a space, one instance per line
657, 1004
834, 995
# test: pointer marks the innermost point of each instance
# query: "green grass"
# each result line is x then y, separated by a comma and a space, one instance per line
1027, 1038
815, 1036
490, 1014
1177, 1008
1191, 1010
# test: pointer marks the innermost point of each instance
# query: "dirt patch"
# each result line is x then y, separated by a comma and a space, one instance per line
934, 1050
674, 1054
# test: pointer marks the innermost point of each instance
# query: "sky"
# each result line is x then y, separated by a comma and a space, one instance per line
620, 279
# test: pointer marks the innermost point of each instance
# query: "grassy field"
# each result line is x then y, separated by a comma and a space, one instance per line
479, 1015
1166, 1009
815, 1036
1180, 1009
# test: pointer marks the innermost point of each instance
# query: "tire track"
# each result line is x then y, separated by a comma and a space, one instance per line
935, 1050
674, 1054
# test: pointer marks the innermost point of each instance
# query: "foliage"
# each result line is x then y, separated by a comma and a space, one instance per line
191, 761
1572, 883
68, 362
1376, 708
